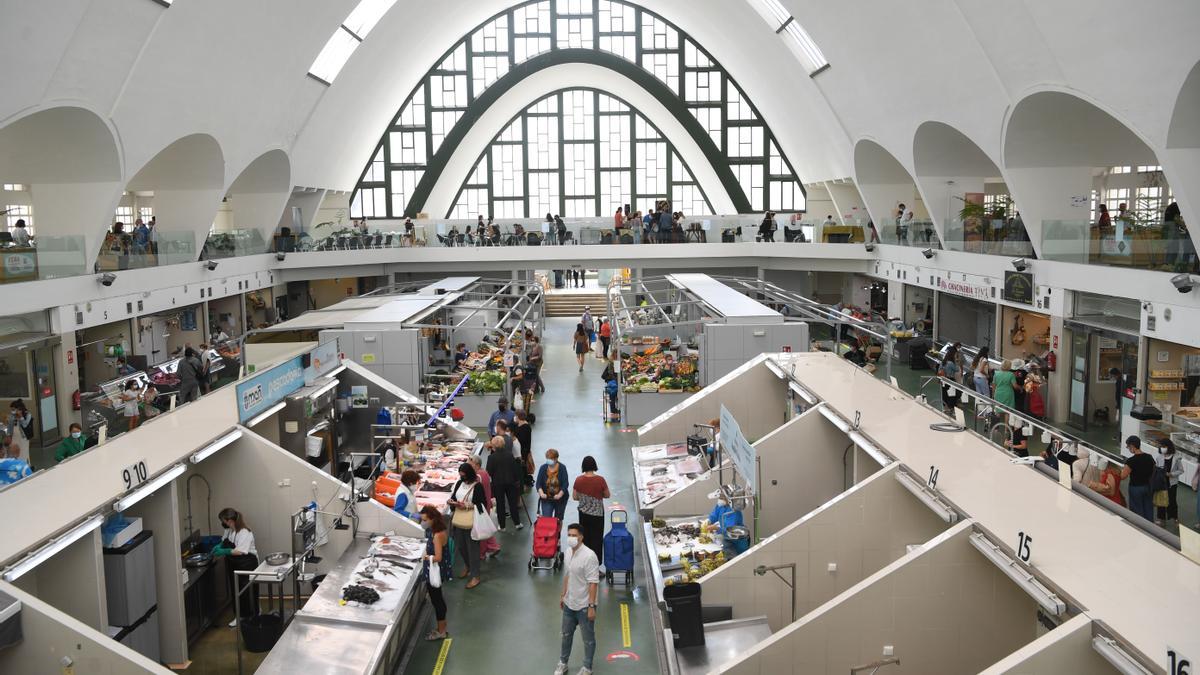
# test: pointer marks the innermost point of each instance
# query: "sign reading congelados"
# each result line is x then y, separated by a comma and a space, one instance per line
268, 388
967, 289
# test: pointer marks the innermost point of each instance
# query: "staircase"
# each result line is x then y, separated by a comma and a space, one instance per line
572, 304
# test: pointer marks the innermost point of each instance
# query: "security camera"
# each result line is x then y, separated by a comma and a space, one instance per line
870, 247
107, 279
210, 264
280, 256
1020, 264
928, 253
1183, 283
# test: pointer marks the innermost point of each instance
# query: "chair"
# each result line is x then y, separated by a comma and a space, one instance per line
379, 240
341, 243
387, 243
567, 237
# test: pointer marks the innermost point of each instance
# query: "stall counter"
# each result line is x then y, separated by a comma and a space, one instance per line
332, 638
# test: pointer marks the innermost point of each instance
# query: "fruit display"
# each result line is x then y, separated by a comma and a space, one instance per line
653, 371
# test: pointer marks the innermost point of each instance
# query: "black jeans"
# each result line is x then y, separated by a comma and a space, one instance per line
507, 497
593, 534
439, 603
249, 598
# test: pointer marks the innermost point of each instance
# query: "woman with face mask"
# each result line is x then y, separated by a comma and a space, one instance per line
238, 544
437, 554
130, 399
73, 444
552, 483
590, 490
467, 502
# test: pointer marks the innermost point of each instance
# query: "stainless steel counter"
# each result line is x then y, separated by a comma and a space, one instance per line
333, 639
723, 642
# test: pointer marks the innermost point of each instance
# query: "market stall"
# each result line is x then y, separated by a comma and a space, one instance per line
675, 334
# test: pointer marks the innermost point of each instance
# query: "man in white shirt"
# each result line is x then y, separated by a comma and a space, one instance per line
829, 221
578, 601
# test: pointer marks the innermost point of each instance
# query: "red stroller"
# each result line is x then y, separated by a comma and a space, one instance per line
547, 533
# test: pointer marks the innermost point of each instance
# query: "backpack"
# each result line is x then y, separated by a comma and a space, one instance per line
611, 387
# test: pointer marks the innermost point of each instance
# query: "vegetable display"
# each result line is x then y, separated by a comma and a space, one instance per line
648, 373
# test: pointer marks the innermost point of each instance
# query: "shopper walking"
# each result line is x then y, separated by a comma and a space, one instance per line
1172, 470
552, 484
1139, 469
589, 324
467, 502
1005, 385
536, 360
190, 372
982, 373
502, 413
578, 601
605, 337
507, 472
580, 341
523, 432
949, 370
490, 547
130, 398
590, 490
437, 555
1019, 376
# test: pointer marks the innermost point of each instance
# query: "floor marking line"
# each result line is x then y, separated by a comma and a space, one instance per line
441, 660
626, 640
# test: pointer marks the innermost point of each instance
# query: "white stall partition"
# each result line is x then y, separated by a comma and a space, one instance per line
1069, 649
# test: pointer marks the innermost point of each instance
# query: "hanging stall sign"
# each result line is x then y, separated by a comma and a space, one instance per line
321, 360
967, 289
268, 388
739, 450
1018, 287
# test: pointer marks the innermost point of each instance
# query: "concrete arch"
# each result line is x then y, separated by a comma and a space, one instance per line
186, 179
1054, 142
1182, 154
949, 165
71, 161
884, 184
257, 197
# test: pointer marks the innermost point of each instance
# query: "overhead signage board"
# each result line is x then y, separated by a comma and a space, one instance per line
966, 289
321, 360
1018, 287
739, 450
269, 387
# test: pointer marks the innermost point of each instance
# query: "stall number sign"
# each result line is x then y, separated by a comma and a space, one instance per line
739, 450
135, 474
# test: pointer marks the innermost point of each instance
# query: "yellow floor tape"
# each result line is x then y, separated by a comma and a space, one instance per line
441, 662
626, 640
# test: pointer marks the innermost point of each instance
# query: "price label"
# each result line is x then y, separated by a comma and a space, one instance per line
135, 474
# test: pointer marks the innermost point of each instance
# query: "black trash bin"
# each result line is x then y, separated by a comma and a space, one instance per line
260, 633
686, 615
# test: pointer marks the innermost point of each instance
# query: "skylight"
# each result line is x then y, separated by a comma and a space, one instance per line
347, 37
800, 42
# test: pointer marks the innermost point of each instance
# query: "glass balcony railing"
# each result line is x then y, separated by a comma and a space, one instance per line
1122, 244
989, 237
917, 234
121, 252
232, 243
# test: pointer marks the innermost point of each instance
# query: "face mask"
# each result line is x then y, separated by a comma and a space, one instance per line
76, 434
572, 541
425, 524
552, 462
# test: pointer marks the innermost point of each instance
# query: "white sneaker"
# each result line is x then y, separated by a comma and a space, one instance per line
233, 624
585, 671
561, 669
520, 526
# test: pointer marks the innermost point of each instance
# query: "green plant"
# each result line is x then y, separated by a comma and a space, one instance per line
970, 210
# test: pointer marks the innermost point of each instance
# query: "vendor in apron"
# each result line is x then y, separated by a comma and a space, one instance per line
238, 545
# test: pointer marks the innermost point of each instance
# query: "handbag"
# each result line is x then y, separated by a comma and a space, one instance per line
1162, 499
435, 574
484, 527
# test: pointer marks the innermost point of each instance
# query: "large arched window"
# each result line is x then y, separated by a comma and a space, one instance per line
519, 42
578, 152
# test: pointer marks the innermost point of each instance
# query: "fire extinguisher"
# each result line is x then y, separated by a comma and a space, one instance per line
76, 402
1051, 361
